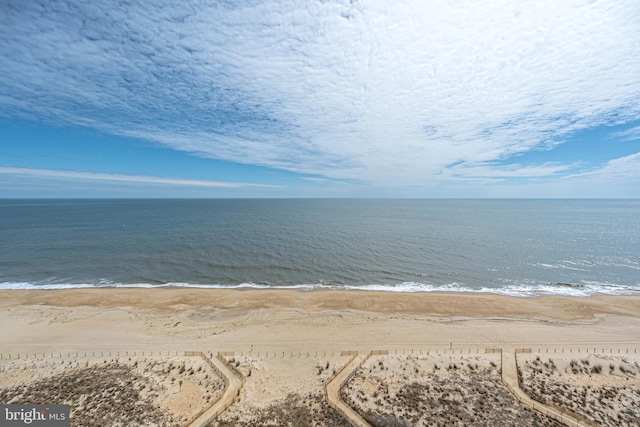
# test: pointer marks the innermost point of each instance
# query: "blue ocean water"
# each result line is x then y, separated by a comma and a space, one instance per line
518, 247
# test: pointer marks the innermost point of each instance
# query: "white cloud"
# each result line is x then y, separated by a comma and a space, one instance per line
632, 134
622, 169
384, 92
508, 171
138, 179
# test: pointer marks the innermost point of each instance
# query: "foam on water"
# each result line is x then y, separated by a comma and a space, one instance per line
522, 290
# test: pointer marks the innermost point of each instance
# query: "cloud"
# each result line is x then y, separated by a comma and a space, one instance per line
138, 179
314, 179
632, 134
492, 170
622, 169
382, 92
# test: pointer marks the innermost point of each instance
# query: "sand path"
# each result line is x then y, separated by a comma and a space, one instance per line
333, 393
231, 391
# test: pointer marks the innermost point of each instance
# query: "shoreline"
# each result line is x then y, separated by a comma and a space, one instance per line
240, 300
544, 290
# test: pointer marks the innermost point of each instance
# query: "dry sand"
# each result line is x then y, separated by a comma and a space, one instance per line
284, 337
204, 319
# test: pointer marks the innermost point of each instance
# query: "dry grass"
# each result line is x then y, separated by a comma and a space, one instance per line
138, 392
603, 389
295, 410
401, 392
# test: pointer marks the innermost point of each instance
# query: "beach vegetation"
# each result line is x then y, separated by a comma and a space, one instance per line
99, 395
295, 410
605, 402
471, 394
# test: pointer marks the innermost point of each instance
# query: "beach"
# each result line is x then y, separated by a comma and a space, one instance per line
280, 339
217, 319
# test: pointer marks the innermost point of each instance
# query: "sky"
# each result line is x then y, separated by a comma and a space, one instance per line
325, 98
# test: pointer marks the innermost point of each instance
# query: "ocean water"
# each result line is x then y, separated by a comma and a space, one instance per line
516, 247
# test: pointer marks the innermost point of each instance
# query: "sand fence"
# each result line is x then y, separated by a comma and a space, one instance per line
88, 354
437, 350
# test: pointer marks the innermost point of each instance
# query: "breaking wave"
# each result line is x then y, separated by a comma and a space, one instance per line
519, 290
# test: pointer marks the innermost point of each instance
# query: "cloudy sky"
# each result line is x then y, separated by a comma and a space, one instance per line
327, 98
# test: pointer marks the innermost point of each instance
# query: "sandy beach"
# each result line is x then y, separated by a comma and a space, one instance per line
212, 319
286, 344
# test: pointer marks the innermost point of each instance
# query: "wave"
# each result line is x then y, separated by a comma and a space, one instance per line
583, 289
586, 265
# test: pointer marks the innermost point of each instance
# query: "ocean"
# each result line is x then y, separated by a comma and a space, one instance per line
514, 247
